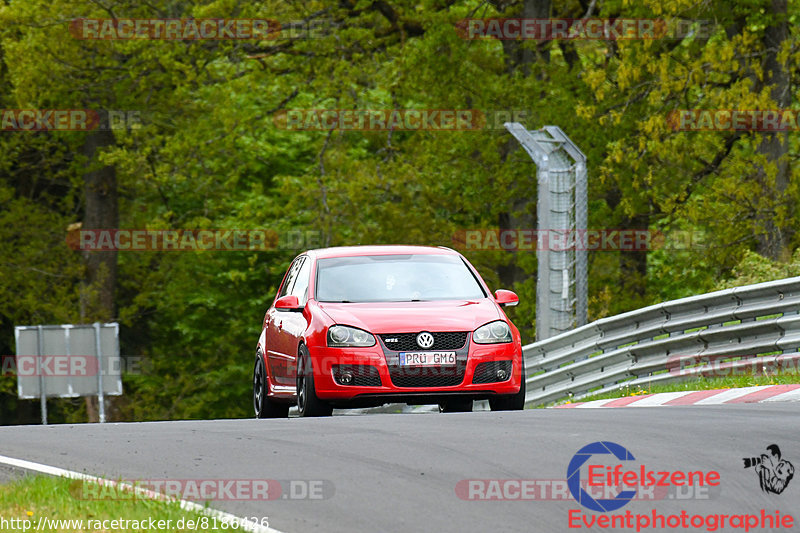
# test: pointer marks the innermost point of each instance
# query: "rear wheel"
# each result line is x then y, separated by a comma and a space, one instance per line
308, 404
456, 405
510, 402
263, 405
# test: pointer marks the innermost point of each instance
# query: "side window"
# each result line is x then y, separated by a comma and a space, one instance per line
291, 276
300, 288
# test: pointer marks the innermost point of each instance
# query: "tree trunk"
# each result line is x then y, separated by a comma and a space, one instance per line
633, 263
774, 239
101, 212
522, 210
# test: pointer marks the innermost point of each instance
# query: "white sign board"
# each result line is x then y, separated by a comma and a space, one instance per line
68, 361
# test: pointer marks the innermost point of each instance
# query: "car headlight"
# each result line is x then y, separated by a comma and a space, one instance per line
346, 336
492, 333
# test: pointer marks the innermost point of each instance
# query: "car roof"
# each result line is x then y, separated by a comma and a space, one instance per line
352, 251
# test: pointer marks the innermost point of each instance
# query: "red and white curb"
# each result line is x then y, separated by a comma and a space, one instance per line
761, 394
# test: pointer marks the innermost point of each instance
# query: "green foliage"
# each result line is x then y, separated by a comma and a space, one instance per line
754, 268
210, 153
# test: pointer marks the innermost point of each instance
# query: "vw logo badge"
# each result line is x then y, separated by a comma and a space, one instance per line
425, 340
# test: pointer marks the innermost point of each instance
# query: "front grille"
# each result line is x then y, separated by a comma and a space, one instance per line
363, 375
487, 372
407, 342
427, 376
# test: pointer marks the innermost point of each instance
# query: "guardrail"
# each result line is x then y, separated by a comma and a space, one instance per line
751, 326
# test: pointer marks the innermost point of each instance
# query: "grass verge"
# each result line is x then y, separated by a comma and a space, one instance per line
24, 502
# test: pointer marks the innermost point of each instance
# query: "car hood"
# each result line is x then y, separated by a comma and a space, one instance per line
411, 317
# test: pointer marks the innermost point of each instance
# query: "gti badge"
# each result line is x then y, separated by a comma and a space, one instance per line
425, 340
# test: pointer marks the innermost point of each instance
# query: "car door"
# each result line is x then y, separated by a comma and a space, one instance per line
295, 323
277, 343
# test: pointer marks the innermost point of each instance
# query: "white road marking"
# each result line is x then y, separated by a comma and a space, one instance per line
244, 525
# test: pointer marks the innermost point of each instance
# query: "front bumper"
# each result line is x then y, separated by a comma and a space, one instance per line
376, 376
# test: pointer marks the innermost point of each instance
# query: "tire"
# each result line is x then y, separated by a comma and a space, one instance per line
456, 405
308, 404
510, 402
263, 406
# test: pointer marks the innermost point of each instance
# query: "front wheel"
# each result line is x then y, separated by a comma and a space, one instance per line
510, 402
264, 407
308, 404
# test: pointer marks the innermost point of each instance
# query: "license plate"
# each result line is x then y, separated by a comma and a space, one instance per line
427, 358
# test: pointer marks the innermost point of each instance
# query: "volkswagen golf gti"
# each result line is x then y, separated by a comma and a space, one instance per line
363, 326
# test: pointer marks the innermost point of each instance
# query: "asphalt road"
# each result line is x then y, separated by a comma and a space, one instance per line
399, 472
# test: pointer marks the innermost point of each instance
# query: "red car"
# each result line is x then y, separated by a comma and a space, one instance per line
367, 325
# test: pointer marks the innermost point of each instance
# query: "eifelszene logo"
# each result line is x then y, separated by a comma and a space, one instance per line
774, 473
574, 477
615, 477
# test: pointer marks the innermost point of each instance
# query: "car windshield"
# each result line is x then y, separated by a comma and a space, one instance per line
395, 278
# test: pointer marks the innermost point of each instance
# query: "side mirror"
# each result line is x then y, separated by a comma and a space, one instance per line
288, 303
506, 298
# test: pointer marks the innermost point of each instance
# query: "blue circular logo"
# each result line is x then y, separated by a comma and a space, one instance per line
574, 476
